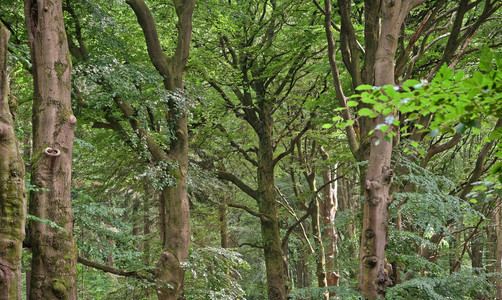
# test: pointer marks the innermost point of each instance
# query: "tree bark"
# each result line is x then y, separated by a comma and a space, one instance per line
54, 250
12, 188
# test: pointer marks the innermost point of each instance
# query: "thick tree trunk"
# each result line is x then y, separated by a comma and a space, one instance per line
12, 188
54, 250
176, 238
274, 260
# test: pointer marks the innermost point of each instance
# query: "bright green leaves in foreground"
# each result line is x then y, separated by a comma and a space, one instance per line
457, 103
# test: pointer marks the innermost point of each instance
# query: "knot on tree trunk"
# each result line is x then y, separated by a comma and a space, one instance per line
52, 152
370, 261
388, 174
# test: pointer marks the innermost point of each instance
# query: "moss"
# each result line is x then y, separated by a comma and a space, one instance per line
62, 34
60, 68
61, 286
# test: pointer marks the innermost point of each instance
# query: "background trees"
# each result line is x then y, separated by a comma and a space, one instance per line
280, 139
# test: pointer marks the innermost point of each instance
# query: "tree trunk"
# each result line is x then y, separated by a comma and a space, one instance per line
374, 270
222, 211
54, 250
12, 188
319, 254
316, 232
328, 212
274, 261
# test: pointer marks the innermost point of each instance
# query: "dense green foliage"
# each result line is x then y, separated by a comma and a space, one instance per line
444, 203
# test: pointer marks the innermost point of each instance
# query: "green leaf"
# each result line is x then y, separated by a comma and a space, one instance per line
326, 126
352, 103
474, 201
364, 87
365, 112
459, 76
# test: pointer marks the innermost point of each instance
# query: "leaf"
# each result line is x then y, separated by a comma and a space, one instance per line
474, 201
352, 103
326, 126
364, 87
459, 76
365, 112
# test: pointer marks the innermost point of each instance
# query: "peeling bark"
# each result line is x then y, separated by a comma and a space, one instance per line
54, 251
12, 188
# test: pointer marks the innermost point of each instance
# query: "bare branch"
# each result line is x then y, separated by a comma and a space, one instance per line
292, 144
438, 149
112, 270
298, 222
351, 134
247, 209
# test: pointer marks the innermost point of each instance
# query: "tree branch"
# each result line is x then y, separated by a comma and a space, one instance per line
112, 270
145, 19
237, 182
433, 150
351, 133
293, 143
248, 210
298, 222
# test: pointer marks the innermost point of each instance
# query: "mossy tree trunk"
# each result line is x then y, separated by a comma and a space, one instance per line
12, 188
53, 268
269, 220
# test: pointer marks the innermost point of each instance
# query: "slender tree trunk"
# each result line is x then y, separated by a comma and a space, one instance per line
223, 222
54, 250
320, 253
328, 212
316, 233
12, 188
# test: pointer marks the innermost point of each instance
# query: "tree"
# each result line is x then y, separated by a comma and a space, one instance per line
383, 25
257, 75
174, 209
53, 268
12, 187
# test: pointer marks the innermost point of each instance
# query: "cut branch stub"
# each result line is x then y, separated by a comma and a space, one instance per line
52, 152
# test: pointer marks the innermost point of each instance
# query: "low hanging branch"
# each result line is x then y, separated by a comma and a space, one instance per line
115, 271
247, 209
